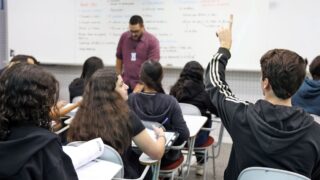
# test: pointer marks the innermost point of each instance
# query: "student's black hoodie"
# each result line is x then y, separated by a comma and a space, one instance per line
34, 153
157, 107
263, 134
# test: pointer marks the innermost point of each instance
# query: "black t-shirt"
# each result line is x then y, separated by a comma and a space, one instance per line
132, 166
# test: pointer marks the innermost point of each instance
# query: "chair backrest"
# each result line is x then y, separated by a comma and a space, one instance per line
189, 109
264, 173
109, 154
316, 118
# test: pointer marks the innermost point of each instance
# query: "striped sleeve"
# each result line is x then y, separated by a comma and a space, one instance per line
220, 93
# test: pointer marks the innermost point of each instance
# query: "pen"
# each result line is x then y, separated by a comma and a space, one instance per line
163, 122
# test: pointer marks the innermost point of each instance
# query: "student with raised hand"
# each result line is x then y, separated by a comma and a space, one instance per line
308, 95
152, 104
104, 113
189, 88
91, 65
269, 133
28, 150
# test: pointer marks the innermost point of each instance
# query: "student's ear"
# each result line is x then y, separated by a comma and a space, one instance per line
265, 84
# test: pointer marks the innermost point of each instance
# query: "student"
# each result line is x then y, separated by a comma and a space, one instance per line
308, 95
152, 104
104, 113
28, 150
189, 88
21, 59
269, 133
27, 59
89, 67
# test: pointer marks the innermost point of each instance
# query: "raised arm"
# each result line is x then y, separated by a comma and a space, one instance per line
62, 109
66, 109
216, 86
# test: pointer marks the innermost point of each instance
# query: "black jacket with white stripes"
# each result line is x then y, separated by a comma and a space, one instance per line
263, 134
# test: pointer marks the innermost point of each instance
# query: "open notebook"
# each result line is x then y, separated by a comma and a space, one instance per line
85, 160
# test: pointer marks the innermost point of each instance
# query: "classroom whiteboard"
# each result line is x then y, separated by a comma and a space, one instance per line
69, 31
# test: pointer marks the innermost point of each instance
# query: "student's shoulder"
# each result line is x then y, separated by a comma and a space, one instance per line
136, 123
167, 99
133, 96
59, 165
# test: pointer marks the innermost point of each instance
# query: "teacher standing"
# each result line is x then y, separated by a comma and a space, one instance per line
135, 47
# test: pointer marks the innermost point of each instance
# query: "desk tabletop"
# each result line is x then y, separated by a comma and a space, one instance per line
146, 160
194, 123
68, 121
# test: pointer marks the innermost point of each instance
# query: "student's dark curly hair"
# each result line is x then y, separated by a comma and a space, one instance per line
102, 113
192, 71
24, 59
285, 71
151, 74
27, 94
314, 68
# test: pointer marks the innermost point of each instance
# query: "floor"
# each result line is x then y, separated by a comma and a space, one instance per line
221, 163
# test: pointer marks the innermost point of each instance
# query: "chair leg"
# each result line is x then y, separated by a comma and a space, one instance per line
205, 164
172, 176
213, 163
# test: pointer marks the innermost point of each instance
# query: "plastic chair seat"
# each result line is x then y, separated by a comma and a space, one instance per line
208, 143
173, 165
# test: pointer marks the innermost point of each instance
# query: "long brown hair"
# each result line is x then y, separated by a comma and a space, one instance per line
103, 113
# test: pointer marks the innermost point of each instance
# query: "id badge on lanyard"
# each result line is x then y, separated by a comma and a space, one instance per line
133, 56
